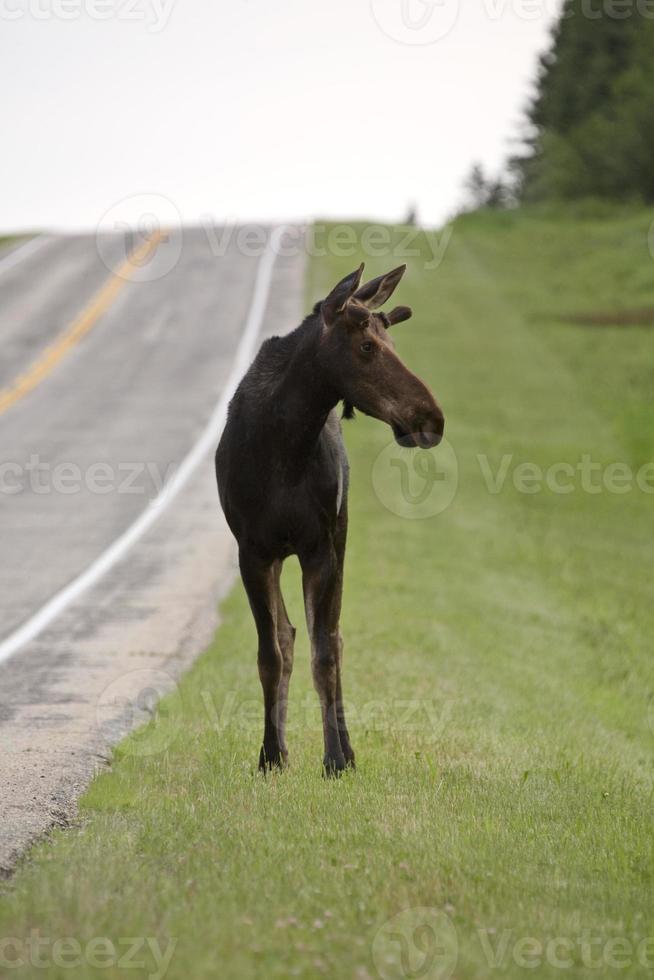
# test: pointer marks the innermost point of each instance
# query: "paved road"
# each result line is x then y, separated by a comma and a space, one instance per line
85, 444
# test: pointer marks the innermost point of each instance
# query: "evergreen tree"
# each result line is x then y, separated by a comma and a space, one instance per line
592, 118
485, 192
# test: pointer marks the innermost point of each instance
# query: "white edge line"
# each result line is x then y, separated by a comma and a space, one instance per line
28, 248
205, 444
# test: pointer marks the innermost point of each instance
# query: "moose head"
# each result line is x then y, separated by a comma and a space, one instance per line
358, 355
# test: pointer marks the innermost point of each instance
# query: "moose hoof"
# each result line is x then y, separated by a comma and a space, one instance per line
270, 759
333, 766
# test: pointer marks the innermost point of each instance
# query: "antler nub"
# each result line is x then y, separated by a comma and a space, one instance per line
397, 315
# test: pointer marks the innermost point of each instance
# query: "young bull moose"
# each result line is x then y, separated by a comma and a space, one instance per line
283, 478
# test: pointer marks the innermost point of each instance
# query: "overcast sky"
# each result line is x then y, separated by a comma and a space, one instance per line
257, 109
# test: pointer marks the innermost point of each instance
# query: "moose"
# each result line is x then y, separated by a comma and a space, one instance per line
282, 475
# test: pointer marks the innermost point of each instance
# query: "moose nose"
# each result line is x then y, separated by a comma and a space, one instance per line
430, 431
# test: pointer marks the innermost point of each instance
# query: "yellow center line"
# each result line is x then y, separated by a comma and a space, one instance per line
99, 304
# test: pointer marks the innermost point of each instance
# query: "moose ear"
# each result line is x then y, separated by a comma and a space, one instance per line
377, 291
397, 315
333, 304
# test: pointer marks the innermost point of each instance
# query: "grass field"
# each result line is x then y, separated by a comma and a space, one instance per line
498, 669
6, 241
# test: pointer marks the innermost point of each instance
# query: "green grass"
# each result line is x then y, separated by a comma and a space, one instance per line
6, 241
513, 793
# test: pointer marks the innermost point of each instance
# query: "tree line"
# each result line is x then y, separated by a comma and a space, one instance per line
589, 127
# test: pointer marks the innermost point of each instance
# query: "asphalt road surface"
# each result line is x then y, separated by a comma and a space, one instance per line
113, 375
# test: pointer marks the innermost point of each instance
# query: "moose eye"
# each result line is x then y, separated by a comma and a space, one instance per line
367, 347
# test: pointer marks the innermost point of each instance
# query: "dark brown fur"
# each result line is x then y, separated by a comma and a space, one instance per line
283, 477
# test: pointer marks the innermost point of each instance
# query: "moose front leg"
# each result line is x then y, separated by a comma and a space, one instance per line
261, 584
340, 540
322, 581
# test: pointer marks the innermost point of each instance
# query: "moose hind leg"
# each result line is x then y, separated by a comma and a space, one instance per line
343, 733
286, 641
261, 585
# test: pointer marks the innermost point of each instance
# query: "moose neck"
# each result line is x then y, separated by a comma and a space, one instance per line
304, 399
